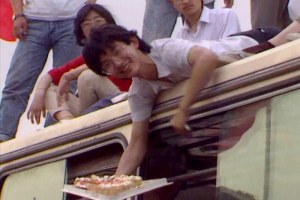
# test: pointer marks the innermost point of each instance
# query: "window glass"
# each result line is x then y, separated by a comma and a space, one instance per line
254, 147
39, 183
264, 163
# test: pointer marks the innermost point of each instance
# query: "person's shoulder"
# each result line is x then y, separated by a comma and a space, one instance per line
140, 87
168, 47
223, 15
159, 43
222, 11
137, 83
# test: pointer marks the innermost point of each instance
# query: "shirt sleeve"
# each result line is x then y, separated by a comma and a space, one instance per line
175, 52
141, 98
57, 73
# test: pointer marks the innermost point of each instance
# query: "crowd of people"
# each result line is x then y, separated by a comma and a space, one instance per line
117, 62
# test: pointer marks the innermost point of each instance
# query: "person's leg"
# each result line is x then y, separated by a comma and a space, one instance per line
263, 13
64, 42
260, 34
102, 103
92, 87
64, 49
67, 110
269, 13
268, 39
283, 17
159, 20
27, 63
277, 40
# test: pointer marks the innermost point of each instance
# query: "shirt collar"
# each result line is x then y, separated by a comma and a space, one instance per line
203, 18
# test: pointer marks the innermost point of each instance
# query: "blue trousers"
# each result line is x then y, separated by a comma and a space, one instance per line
28, 62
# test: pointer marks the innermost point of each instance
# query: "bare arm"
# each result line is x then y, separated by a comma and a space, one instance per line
204, 62
280, 38
37, 106
64, 83
134, 154
20, 24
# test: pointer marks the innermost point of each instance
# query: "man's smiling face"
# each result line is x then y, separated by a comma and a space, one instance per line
121, 61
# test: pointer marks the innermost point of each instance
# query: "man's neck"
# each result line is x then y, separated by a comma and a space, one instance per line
192, 20
148, 68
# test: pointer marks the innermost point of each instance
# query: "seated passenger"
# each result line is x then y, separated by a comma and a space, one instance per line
113, 50
202, 23
91, 87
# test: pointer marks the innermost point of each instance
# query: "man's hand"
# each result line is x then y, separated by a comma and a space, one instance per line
178, 122
20, 28
63, 87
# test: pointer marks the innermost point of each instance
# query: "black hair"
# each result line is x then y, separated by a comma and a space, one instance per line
103, 38
81, 15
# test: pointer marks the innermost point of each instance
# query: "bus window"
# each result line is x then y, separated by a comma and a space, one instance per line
265, 162
38, 183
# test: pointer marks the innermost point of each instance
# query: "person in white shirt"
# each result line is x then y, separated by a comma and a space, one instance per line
114, 50
201, 23
160, 18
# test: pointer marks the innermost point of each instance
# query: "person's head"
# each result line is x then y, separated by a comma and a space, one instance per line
112, 49
188, 7
88, 17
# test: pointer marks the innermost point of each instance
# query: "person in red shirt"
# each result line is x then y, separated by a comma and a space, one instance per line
94, 91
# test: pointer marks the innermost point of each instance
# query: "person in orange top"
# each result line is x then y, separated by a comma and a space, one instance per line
94, 91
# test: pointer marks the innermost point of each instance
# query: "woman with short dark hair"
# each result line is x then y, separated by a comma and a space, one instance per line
91, 87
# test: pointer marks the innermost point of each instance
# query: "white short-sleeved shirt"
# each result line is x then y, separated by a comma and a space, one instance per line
212, 25
171, 59
52, 10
